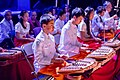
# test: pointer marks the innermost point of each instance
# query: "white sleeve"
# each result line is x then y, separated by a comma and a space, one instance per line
65, 43
38, 54
55, 27
17, 27
82, 27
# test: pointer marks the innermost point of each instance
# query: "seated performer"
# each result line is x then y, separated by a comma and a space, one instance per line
7, 31
33, 21
85, 27
68, 39
97, 22
22, 30
44, 44
59, 23
109, 21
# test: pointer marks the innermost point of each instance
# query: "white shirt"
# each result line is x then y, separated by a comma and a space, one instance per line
58, 27
6, 27
97, 25
67, 17
44, 50
23, 32
82, 27
109, 21
68, 40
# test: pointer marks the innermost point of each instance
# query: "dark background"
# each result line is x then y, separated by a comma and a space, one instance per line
39, 5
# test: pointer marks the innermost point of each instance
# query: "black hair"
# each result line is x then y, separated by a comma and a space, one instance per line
49, 9
21, 20
88, 11
100, 9
45, 19
78, 12
6, 11
64, 6
32, 12
61, 12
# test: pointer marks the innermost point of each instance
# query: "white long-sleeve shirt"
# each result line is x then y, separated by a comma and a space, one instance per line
44, 50
6, 28
68, 39
58, 27
97, 25
109, 21
82, 27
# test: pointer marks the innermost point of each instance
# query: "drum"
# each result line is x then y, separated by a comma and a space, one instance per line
78, 66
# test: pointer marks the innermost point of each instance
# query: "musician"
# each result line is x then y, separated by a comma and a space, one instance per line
7, 31
68, 39
109, 21
84, 28
97, 22
44, 44
22, 29
59, 23
33, 21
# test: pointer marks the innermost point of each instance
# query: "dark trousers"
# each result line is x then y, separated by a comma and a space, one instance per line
7, 43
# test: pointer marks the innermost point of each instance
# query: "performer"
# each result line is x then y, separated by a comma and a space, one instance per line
97, 23
109, 21
22, 30
33, 21
44, 44
59, 23
7, 31
85, 27
68, 39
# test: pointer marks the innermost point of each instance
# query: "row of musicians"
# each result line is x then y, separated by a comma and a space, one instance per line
91, 26
21, 30
44, 44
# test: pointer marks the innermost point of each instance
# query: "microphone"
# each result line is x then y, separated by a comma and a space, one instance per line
116, 36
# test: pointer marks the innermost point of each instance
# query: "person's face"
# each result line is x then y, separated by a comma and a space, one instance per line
49, 28
8, 16
66, 9
63, 17
109, 7
25, 17
91, 15
78, 20
34, 15
102, 13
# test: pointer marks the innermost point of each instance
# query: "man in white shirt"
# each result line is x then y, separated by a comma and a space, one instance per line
69, 44
7, 31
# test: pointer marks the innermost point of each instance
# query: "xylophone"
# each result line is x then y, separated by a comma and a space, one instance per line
112, 43
79, 66
102, 54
